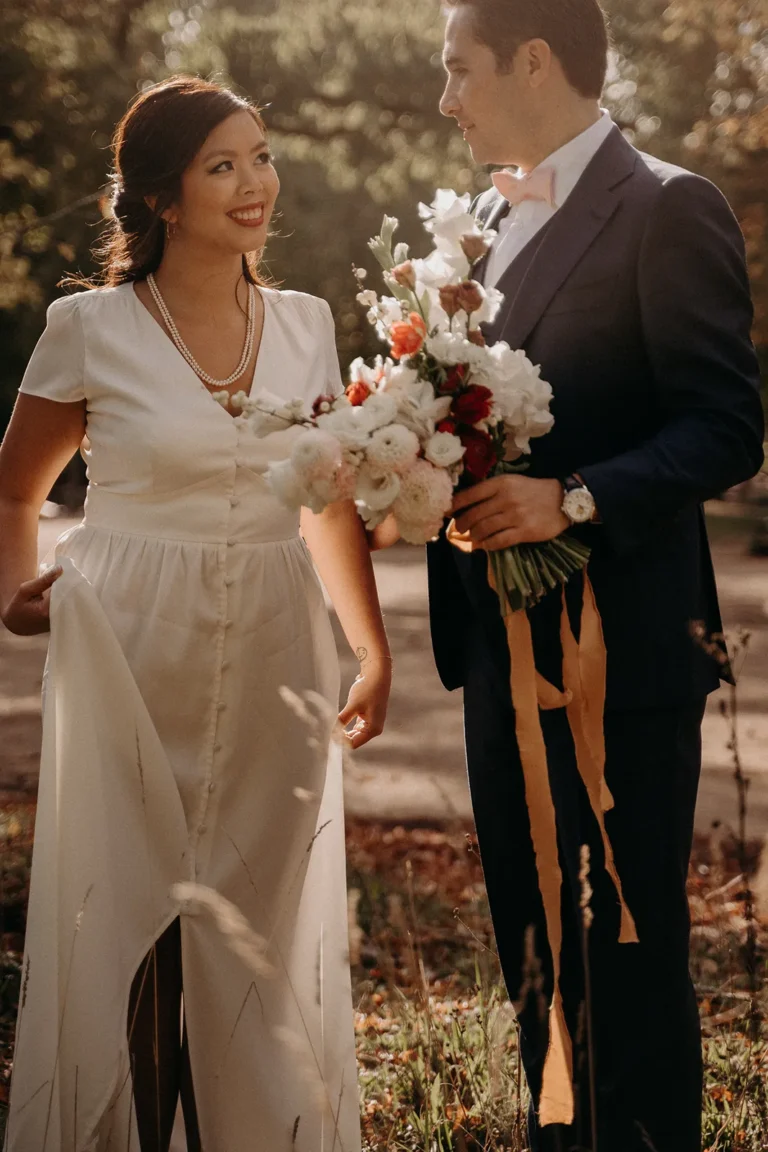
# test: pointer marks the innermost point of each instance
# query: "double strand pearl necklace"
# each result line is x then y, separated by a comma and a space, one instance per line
176, 337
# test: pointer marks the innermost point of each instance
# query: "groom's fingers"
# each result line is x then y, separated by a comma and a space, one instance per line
474, 495
492, 525
493, 506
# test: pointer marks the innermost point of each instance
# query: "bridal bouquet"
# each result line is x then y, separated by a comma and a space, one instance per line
442, 410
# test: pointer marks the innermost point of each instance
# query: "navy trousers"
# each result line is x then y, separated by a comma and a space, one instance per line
645, 1021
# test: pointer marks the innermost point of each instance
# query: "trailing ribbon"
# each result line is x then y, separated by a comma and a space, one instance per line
584, 680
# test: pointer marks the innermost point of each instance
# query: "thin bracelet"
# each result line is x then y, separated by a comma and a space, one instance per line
362, 655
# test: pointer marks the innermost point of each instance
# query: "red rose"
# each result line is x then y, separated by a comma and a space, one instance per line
358, 392
472, 405
446, 426
454, 379
480, 455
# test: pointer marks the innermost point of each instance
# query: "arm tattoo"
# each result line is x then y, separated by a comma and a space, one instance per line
362, 654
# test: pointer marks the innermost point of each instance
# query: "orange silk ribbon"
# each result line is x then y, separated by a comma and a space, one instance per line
584, 666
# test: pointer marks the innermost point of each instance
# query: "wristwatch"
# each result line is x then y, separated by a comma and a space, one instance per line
578, 502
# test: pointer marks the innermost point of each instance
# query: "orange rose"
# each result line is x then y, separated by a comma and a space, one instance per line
408, 337
357, 392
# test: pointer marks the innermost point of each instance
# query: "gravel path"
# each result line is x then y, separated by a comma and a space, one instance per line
415, 771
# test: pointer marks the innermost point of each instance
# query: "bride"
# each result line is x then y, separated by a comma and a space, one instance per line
187, 920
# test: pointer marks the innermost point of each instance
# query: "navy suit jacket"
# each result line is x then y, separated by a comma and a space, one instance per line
635, 301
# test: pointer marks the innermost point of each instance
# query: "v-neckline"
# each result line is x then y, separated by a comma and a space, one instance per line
264, 293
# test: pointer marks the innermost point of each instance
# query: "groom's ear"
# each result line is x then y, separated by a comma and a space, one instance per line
534, 60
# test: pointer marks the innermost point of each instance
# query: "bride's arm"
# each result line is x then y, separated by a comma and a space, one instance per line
336, 538
42, 436
384, 536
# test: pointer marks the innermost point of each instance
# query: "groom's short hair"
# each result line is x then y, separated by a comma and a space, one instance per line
576, 31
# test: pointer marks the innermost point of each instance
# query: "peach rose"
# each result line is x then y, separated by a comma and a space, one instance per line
405, 275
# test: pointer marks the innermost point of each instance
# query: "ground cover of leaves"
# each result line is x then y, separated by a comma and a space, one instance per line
436, 1037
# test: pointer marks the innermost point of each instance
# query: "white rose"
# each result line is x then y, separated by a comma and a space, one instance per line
392, 449
376, 491
444, 449
367, 298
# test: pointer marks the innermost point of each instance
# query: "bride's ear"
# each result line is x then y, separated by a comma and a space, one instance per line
168, 215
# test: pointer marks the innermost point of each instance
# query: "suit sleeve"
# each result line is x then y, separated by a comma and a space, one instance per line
696, 314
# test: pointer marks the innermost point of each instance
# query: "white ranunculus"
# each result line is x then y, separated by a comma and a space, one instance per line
426, 494
392, 449
376, 490
444, 449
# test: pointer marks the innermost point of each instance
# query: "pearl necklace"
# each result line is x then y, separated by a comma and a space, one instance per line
176, 337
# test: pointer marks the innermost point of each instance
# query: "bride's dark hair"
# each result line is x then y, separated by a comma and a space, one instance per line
155, 142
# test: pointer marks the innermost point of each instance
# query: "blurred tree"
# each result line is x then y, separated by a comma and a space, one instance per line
690, 82
351, 94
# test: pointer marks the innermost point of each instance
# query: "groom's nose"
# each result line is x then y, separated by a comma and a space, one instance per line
449, 105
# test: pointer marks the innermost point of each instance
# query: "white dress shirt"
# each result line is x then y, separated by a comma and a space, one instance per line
523, 222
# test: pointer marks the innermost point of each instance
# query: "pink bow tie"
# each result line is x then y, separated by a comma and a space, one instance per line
539, 185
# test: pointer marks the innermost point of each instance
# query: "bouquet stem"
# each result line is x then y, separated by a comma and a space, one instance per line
526, 572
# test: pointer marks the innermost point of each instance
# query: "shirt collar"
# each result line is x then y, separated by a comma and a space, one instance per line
571, 161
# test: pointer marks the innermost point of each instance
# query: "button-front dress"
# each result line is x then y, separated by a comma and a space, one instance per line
172, 753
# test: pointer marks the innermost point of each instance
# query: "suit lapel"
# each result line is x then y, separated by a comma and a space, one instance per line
572, 231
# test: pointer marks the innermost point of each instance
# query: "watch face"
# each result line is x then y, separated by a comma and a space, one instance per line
579, 505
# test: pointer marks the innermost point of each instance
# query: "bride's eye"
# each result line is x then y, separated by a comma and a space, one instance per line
264, 158
220, 167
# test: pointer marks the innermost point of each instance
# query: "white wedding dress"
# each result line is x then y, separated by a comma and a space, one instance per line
170, 754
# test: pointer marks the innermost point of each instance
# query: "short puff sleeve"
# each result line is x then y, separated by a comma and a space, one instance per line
56, 367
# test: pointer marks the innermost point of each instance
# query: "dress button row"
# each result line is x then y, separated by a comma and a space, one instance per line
221, 706
229, 581
226, 665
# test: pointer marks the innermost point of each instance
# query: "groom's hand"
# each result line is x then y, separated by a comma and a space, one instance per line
511, 510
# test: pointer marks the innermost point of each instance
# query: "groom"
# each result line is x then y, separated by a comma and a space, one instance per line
625, 278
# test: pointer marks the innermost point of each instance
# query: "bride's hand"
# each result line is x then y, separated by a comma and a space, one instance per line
367, 702
28, 612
